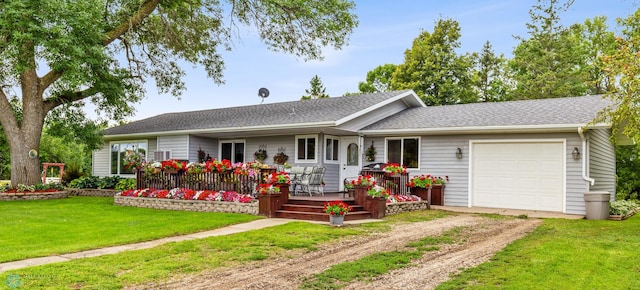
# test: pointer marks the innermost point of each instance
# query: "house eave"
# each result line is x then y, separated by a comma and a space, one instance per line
224, 130
551, 128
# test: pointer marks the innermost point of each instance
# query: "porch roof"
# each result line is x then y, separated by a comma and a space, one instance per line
546, 115
286, 115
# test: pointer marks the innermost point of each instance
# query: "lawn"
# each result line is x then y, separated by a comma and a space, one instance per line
41, 228
563, 254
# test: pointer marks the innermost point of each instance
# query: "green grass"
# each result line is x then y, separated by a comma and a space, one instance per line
159, 263
563, 254
47, 227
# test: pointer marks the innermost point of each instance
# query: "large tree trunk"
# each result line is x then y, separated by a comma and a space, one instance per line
24, 169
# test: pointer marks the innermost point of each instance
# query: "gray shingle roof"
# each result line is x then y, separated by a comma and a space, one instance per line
559, 111
310, 111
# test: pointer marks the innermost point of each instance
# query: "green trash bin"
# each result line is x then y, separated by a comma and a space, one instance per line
597, 205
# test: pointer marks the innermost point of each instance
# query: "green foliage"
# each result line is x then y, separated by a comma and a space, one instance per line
547, 65
490, 80
317, 90
623, 207
596, 41
627, 172
126, 183
55, 54
378, 80
623, 66
71, 172
109, 182
562, 254
82, 223
85, 182
434, 70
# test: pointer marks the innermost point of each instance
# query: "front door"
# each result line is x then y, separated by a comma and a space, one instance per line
349, 159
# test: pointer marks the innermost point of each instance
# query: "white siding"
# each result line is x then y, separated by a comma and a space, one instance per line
437, 157
100, 165
177, 144
208, 145
602, 161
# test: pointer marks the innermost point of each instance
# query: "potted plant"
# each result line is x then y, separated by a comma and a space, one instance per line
437, 190
132, 160
260, 155
421, 185
269, 199
219, 166
361, 185
280, 158
282, 181
173, 166
394, 169
377, 201
370, 153
195, 168
336, 210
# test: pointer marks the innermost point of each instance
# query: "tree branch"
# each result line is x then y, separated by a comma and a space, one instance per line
71, 97
134, 21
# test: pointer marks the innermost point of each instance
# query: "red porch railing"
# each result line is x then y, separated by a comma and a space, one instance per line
216, 181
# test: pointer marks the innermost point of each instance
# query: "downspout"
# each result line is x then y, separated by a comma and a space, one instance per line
584, 158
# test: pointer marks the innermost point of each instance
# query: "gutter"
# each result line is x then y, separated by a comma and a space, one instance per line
584, 158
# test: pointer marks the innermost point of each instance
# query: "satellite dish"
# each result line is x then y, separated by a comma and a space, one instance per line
263, 93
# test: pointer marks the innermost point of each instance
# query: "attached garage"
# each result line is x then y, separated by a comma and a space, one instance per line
519, 174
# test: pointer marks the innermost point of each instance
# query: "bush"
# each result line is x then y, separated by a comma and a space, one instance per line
627, 172
72, 172
127, 183
85, 182
109, 182
622, 207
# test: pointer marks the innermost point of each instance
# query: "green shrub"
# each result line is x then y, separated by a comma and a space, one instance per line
85, 182
109, 181
622, 207
127, 183
72, 172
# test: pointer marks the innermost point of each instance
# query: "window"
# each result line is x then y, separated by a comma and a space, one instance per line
232, 150
118, 151
352, 154
306, 148
332, 147
403, 151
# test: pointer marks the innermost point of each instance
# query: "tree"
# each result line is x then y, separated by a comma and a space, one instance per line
317, 90
595, 41
378, 79
103, 51
623, 66
433, 69
490, 81
546, 65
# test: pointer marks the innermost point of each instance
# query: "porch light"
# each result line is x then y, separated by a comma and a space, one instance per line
575, 153
459, 153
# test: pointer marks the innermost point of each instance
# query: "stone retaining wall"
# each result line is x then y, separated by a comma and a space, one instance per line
399, 207
189, 205
34, 196
92, 192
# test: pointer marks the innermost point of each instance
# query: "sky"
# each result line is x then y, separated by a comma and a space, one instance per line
386, 29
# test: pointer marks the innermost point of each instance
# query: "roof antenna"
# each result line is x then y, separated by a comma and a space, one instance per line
263, 93
293, 111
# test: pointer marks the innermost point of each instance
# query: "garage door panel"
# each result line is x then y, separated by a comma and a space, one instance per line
523, 175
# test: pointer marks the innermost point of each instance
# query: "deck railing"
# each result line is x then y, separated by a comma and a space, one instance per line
216, 181
396, 184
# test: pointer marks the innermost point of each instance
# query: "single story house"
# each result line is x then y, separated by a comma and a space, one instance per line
530, 154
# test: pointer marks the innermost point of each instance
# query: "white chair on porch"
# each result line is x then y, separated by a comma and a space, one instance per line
314, 182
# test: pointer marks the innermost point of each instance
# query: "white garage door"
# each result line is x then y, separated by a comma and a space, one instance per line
519, 175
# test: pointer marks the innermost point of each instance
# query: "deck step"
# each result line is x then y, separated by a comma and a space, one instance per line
316, 216
308, 209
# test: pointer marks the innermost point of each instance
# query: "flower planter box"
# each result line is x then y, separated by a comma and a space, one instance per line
437, 194
284, 190
423, 193
187, 205
336, 220
269, 203
360, 194
377, 206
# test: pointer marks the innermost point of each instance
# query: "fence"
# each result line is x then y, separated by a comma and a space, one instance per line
396, 184
216, 181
